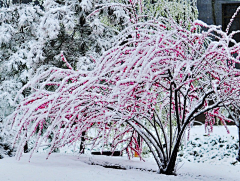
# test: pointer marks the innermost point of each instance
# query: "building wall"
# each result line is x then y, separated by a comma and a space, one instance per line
210, 11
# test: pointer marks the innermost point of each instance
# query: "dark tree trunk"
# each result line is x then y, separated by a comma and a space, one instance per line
82, 147
238, 157
25, 149
170, 165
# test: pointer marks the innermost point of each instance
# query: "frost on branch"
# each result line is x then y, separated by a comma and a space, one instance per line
155, 84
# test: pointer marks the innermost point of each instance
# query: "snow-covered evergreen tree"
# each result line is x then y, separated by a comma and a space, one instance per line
33, 37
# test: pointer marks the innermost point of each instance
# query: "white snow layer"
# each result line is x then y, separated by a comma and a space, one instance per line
70, 167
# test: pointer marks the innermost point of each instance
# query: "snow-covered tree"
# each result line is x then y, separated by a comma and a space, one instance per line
180, 10
156, 83
15, 69
33, 37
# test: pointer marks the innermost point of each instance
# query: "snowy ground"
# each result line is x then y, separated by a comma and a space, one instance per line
71, 167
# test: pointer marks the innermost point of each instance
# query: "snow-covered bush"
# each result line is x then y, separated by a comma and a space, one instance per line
210, 149
6, 148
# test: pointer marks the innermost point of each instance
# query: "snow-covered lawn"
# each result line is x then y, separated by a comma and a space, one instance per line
70, 168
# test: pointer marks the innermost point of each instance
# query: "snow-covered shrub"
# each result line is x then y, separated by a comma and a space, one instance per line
6, 148
210, 148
